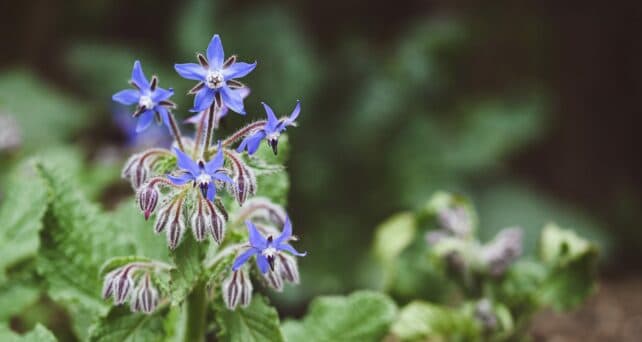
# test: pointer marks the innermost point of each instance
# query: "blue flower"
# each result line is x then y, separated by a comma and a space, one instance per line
266, 249
154, 136
201, 173
216, 78
196, 119
152, 100
271, 131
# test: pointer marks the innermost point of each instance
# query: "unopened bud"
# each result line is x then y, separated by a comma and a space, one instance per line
122, 285
288, 268
274, 280
244, 183
175, 232
162, 219
199, 222
456, 221
505, 248
147, 200
237, 289
215, 221
145, 298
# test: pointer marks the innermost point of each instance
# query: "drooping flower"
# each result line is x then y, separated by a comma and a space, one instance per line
138, 141
271, 131
152, 101
221, 113
202, 174
267, 249
216, 78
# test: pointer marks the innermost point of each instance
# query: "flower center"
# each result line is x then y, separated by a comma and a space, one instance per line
146, 101
269, 252
203, 179
214, 79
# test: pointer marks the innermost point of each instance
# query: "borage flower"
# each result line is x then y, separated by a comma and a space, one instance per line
271, 131
152, 100
202, 174
216, 78
220, 113
266, 249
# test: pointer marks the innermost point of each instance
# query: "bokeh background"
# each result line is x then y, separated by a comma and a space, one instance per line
530, 108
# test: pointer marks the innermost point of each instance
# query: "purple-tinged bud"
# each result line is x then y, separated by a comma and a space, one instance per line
163, 218
147, 199
108, 285
145, 298
244, 181
199, 222
237, 289
122, 285
288, 268
500, 253
274, 280
175, 233
215, 221
136, 170
456, 221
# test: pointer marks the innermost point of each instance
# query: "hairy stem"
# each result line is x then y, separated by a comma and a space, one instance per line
243, 132
210, 128
194, 315
175, 131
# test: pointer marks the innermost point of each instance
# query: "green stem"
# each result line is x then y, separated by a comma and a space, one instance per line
195, 310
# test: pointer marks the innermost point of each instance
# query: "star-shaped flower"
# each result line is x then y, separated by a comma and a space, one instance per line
221, 113
152, 100
271, 131
200, 173
216, 78
266, 249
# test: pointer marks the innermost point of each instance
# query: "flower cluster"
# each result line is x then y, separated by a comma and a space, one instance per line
132, 283
185, 187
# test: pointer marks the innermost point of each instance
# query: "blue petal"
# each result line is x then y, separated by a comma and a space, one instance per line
256, 239
203, 99
216, 162
164, 114
162, 94
211, 192
186, 163
144, 120
262, 262
286, 233
241, 259
195, 119
223, 177
288, 248
215, 53
272, 121
139, 77
127, 96
182, 179
294, 115
251, 143
238, 70
191, 71
232, 100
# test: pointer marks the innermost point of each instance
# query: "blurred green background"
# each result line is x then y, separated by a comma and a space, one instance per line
527, 107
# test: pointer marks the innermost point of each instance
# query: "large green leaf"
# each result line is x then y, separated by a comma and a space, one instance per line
362, 316
421, 321
122, 325
21, 213
391, 238
45, 115
188, 258
256, 323
38, 334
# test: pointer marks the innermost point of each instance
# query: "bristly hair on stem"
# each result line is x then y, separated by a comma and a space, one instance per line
176, 132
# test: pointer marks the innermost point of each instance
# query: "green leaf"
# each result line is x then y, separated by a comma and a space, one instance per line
391, 238
116, 262
15, 296
362, 316
420, 321
122, 325
21, 213
258, 322
50, 119
38, 334
189, 267
572, 262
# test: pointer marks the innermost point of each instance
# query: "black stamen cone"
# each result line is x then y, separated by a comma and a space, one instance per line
204, 189
274, 143
270, 260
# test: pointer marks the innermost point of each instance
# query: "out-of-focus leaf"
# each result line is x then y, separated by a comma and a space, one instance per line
38, 334
273, 180
362, 316
391, 238
189, 267
122, 325
572, 261
15, 296
45, 115
256, 323
21, 213
422, 321
519, 287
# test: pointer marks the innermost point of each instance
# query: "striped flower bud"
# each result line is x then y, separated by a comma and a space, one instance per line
274, 280
145, 297
199, 222
244, 180
136, 170
175, 233
237, 289
216, 221
122, 285
147, 199
500, 253
162, 219
288, 268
